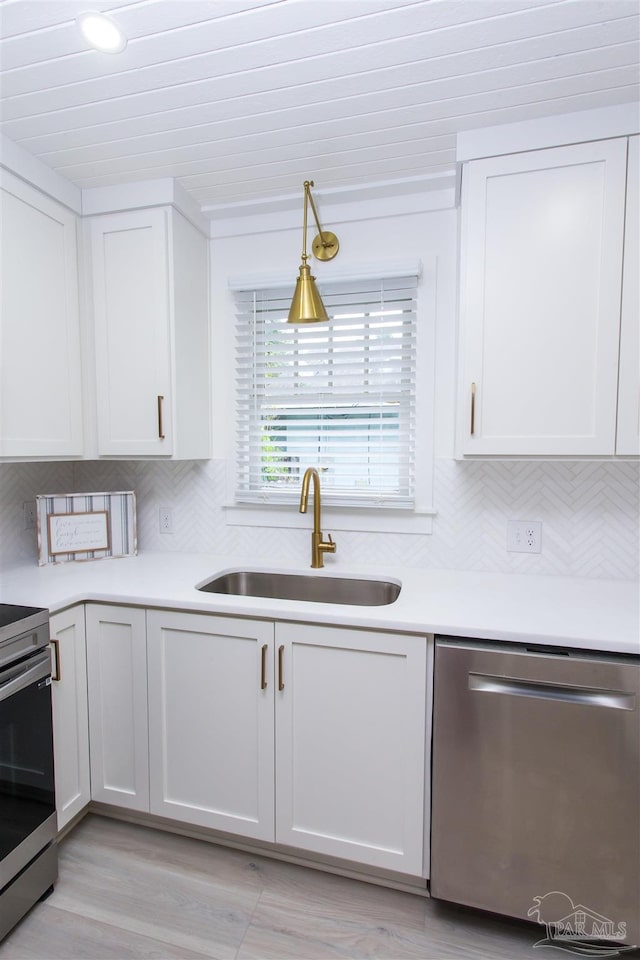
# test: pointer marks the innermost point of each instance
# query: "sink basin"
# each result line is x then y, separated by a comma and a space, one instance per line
288, 586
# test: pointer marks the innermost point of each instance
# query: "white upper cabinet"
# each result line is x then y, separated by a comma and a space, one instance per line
628, 436
40, 381
150, 301
541, 267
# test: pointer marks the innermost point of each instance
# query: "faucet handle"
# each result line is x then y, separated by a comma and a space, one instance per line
329, 546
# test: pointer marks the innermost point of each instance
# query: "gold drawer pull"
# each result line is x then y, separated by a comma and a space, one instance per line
55, 673
263, 672
160, 424
281, 668
473, 409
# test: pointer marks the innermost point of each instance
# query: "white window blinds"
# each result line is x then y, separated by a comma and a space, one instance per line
337, 396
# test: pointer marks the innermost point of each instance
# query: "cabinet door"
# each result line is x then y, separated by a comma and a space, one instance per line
541, 269
132, 310
350, 735
628, 436
211, 721
70, 713
40, 381
118, 727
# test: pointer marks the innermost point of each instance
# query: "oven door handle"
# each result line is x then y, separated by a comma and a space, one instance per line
17, 678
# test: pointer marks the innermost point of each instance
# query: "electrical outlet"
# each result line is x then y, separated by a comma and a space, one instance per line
29, 514
524, 536
165, 520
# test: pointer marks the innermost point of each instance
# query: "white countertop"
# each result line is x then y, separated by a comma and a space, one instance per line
557, 611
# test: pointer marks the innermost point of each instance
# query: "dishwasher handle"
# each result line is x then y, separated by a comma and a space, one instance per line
539, 690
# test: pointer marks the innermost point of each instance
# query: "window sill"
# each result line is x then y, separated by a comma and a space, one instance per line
373, 520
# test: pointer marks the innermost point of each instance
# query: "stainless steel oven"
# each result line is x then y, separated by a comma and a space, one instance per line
28, 851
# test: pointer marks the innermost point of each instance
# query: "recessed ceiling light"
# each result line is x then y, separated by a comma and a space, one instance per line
102, 33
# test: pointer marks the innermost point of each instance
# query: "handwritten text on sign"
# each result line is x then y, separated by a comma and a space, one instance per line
78, 532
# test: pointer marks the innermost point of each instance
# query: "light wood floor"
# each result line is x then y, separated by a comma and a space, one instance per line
128, 891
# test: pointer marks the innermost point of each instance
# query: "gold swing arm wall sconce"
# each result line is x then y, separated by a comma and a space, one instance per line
307, 305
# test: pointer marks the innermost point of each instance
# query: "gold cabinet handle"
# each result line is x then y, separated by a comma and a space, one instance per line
55, 673
473, 409
263, 671
160, 423
281, 668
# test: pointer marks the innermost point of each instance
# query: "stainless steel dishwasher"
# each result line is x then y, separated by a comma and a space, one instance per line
536, 786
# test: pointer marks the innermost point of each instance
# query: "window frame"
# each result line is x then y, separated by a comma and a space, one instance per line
365, 516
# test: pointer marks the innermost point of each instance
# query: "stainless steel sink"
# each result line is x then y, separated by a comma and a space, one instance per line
288, 586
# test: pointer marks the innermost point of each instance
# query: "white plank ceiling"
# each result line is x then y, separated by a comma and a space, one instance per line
243, 99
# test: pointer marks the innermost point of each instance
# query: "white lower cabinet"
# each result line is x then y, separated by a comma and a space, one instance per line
118, 723
333, 720
211, 721
313, 737
350, 744
70, 714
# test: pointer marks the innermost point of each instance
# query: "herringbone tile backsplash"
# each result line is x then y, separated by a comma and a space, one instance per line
589, 512
20, 483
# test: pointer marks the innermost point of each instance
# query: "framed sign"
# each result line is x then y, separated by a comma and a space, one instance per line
86, 526
78, 532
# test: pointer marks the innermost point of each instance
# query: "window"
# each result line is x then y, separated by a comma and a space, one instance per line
337, 396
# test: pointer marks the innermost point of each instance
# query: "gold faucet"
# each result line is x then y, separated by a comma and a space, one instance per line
318, 545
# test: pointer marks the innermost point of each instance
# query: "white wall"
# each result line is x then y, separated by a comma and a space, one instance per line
369, 235
20, 483
589, 510
589, 513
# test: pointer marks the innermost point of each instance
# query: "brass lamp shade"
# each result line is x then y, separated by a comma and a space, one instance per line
307, 305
